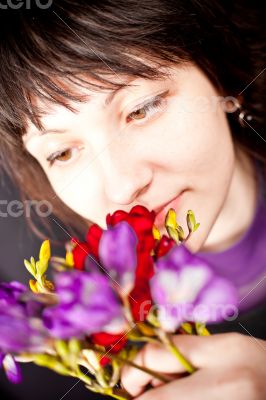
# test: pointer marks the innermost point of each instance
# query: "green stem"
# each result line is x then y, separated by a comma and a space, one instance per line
83, 377
186, 364
167, 340
115, 373
119, 394
108, 391
145, 339
188, 236
156, 375
119, 397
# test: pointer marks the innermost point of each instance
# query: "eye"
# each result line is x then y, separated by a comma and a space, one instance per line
147, 110
63, 156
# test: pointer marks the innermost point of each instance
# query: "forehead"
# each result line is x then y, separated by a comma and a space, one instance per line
88, 92
80, 93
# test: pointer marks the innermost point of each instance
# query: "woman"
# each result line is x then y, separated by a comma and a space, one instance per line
105, 105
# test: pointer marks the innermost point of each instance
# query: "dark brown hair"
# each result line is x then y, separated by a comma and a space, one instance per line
44, 52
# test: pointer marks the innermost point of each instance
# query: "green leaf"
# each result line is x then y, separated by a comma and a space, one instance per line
191, 221
192, 217
44, 360
173, 234
181, 233
187, 327
41, 267
74, 346
201, 329
62, 350
196, 226
30, 267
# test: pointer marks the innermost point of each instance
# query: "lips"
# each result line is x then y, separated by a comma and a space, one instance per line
162, 210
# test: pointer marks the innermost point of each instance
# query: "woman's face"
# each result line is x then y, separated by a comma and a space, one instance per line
153, 141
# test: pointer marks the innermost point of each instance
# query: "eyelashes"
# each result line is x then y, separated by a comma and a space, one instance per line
63, 156
148, 108
144, 112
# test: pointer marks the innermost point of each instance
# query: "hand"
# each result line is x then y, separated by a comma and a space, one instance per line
229, 366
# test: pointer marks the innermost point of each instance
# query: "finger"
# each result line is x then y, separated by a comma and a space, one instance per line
201, 385
191, 387
216, 383
134, 381
170, 391
157, 382
202, 352
156, 358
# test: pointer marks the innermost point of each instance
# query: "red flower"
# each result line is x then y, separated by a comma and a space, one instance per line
104, 360
145, 268
140, 299
141, 220
93, 238
83, 249
80, 252
112, 343
163, 246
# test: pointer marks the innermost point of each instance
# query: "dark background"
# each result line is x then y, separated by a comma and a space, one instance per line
18, 242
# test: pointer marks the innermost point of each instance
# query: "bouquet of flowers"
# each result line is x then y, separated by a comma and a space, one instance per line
120, 288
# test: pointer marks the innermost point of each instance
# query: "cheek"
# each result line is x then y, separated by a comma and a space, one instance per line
78, 193
199, 154
197, 146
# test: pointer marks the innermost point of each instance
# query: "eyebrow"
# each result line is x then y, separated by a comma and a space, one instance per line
28, 136
112, 95
107, 102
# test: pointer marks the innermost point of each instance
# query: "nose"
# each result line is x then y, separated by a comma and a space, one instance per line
126, 177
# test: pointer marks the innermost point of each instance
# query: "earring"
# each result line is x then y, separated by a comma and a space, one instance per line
233, 105
244, 116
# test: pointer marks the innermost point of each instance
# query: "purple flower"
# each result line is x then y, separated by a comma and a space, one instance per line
11, 292
20, 332
117, 252
185, 289
87, 304
21, 329
11, 367
178, 257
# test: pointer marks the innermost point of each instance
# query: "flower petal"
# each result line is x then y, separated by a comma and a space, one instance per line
12, 369
217, 302
87, 304
117, 252
176, 258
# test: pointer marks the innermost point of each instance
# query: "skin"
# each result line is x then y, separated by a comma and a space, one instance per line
224, 370
124, 161
117, 161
